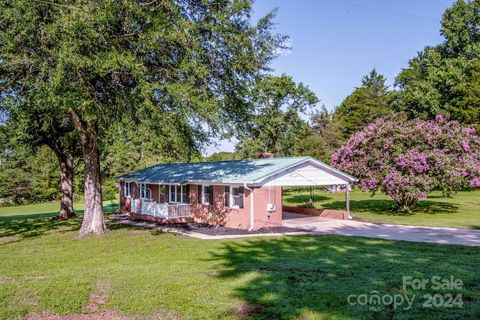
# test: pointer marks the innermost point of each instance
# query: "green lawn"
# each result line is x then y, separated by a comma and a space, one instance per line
36, 219
47, 209
461, 210
46, 267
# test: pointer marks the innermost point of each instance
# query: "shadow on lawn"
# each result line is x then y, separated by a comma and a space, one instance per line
312, 277
304, 198
388, 207
377, 206
17, 227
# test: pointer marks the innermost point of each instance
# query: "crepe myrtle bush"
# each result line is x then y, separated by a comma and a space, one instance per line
406, 159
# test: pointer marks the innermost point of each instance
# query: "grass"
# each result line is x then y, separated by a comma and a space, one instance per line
33, 220
462, 210
145, 274
48, 209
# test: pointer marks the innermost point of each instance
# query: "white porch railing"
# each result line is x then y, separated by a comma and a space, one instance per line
161, 210
134, 204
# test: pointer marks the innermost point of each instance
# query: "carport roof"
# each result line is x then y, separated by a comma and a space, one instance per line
232, 171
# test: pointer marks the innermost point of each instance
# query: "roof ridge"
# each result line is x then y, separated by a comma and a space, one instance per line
216, 161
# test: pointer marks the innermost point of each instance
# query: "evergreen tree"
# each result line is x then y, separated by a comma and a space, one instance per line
367, 103
326, 134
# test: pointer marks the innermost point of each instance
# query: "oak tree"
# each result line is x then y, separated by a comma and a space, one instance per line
183, 65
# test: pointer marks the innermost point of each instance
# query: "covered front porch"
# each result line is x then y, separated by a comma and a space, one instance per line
158, 201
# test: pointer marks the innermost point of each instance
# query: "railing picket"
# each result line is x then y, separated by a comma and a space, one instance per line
161, 210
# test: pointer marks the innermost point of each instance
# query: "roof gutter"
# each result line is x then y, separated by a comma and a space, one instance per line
251, 206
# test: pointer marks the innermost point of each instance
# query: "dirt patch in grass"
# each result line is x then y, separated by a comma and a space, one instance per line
7, 240
5, 278
104, 315
98, 297
107, 315
167, 315
244, 310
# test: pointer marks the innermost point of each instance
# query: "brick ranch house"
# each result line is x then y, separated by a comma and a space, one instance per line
245, 194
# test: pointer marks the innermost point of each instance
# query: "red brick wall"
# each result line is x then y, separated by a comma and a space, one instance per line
218, 214
263, 196
325, 213
154, 188
300, 210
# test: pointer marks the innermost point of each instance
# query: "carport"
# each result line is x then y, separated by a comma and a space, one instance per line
313, 173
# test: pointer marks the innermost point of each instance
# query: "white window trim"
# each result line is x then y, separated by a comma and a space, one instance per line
204, 200
231, 197
142, 187
175, 186
127, 189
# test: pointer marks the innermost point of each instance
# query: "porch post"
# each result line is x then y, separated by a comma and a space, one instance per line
347, 200
158, 193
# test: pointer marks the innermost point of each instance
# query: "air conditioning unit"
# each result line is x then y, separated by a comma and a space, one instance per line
271, 207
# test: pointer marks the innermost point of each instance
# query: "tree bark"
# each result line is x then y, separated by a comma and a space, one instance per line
66, 186
93, 217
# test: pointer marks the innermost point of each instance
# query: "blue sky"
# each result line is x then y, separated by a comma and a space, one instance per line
335, 42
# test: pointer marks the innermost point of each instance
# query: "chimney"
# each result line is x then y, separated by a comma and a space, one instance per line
265, 155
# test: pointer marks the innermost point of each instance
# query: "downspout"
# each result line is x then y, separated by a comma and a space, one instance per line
251, 206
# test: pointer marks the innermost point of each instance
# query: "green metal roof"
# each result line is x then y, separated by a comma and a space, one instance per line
232, 171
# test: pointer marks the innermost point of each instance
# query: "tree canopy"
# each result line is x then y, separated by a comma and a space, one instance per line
366, 103
275, 123
180, 67
406, 159
445, 79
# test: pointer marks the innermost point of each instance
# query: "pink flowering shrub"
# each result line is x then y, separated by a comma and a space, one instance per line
406, 159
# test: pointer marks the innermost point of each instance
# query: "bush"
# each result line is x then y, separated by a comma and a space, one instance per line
406, 159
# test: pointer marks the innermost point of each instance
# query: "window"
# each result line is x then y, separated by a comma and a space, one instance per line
205, 194
172, 193
236, 196
184, 194
144, 191
127, 189
179, 194
162, 190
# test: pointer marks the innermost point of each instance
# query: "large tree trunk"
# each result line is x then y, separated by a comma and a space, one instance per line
93, 218
66, 186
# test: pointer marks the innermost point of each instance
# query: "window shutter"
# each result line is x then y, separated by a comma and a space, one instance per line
187, 191
199, 193
227, 196
241, 192
210, 191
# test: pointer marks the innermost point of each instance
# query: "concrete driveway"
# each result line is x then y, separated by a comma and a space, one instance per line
319, 225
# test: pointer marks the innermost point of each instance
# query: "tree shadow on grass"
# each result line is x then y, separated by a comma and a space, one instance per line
312, 277
17, 227
304, 198
377, 206
389, 207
